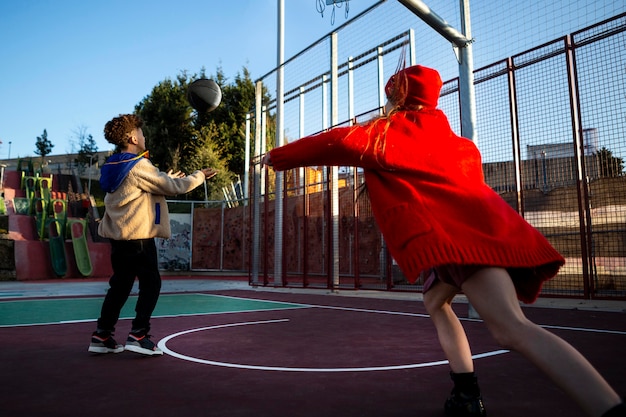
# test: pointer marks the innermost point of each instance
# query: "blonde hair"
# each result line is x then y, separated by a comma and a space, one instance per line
380, 141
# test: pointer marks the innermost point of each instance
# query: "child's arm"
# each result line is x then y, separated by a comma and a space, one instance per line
342, 146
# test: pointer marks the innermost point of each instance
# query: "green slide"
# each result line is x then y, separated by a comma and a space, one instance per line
81, 250
41, 216
57, 248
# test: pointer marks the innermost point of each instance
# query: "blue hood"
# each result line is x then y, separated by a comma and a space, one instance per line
116, 168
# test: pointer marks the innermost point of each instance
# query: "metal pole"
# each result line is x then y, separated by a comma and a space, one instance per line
256, 225
246, 165
466, 95
89, 182
584, 205
302, 183
433, 20
222, 236
334, 170
517, 159
351, 89
466, 78
413, 56
278, 201
301, 187
463, 41
382, 97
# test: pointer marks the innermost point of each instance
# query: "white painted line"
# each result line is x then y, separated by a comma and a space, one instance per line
163, 346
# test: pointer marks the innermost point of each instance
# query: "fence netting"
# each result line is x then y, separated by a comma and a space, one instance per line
551, 130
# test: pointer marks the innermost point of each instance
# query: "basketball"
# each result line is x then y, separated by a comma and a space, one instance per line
204, 95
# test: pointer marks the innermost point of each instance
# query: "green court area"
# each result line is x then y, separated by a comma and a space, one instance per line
63, 310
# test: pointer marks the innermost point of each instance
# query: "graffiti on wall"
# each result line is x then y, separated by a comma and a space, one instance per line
175, 253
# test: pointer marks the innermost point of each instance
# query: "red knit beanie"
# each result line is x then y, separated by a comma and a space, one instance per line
414, 85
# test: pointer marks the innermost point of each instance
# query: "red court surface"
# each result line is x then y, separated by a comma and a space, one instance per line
327, 355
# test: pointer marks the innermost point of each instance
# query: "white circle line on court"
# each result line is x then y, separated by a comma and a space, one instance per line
163, 346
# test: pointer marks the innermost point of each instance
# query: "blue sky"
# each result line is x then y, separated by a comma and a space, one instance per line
72, 65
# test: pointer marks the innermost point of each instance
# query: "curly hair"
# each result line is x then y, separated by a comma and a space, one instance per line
116, 130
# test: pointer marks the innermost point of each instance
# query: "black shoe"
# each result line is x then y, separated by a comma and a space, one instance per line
461, 405
617, 411
140, 343
104, 343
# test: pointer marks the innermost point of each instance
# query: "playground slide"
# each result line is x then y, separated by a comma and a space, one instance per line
59, 213
45, 185
41, 216
57, 249
81, 250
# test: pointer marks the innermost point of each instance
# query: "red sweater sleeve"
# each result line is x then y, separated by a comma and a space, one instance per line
342, 146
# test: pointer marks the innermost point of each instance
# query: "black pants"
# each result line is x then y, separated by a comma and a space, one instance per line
130, 259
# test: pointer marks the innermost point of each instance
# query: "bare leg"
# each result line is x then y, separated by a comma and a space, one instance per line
452, 337
492, 294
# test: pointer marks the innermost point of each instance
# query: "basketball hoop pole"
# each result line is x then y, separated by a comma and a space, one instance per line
433, 20
463, 43
466, 78
468, 100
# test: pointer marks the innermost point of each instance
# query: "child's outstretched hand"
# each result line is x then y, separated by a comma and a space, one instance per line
266, 160
209, 172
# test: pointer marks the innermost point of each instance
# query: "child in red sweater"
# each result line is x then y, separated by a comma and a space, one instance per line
437, 214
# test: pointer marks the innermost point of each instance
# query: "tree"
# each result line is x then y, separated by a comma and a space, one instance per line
43, 145
180, 138
206, 155
610, 166
173, 138
87, 148
167, 122
238, 100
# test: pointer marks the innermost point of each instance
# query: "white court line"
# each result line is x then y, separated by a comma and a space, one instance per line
89, 320
163, 342
582, 329
400, 313
163, 346
301, 305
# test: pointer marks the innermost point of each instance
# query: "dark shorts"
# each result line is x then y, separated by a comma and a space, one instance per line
454, 275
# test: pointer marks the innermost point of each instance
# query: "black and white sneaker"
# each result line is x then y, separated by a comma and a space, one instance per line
104, 343
141, 343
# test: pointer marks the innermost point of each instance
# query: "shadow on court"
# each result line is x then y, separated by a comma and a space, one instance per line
257, 353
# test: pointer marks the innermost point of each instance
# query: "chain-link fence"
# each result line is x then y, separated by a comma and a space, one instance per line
551, 131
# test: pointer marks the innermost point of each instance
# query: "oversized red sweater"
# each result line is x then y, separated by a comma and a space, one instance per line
429, 197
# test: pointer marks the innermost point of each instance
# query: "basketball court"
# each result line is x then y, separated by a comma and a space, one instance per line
231, 350
235, 350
